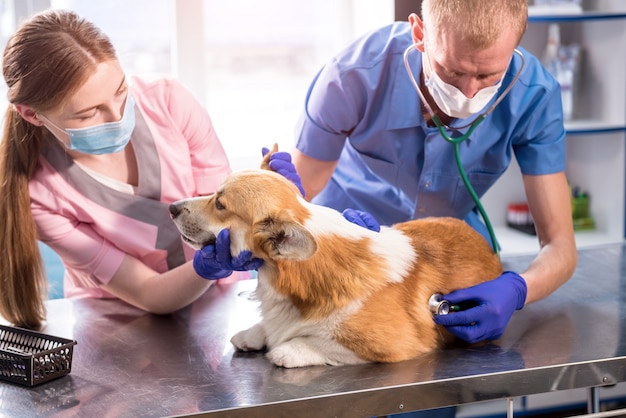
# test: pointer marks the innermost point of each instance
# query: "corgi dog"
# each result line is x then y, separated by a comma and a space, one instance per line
332, 292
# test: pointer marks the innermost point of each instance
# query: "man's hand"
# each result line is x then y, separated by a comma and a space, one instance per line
492, 305
360, 218
280, 162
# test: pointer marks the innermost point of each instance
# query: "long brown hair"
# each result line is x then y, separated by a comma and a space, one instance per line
47, 59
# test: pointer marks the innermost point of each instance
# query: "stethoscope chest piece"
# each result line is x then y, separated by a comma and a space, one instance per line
438, 305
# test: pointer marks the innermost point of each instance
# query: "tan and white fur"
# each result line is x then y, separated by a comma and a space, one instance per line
332, 292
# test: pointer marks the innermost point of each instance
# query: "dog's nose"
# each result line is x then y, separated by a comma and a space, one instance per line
175, 210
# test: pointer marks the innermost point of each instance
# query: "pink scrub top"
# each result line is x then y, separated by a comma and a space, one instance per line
91, 226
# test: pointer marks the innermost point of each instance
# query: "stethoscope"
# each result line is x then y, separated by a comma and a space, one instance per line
458, 140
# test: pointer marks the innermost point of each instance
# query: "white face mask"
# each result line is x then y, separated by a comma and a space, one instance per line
451, 100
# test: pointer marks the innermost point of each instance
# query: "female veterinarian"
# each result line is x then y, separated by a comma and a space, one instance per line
89, 162
372, 137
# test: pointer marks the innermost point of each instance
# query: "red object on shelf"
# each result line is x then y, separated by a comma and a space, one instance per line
518, 216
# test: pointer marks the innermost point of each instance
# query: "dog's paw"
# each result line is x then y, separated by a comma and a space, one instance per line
252, 339
294, 353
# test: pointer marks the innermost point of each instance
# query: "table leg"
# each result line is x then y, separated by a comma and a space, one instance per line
593, 400
509, 408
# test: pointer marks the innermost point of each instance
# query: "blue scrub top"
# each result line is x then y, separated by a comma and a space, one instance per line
362, 110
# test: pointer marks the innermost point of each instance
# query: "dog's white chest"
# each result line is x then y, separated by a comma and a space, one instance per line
291, 340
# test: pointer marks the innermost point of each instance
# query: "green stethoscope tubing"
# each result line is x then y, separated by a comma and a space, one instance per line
457, 141
457, 158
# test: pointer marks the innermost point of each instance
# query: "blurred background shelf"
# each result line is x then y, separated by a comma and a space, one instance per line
596, 134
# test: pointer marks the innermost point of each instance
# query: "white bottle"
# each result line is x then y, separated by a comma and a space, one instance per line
551, 54
558, 64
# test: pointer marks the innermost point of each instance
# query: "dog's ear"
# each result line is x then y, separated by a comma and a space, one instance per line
284, 239
265, 164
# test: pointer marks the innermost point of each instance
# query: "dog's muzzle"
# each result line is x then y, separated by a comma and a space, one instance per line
191, 232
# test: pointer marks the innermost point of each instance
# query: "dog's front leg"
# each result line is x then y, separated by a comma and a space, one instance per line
311, 351
252, 339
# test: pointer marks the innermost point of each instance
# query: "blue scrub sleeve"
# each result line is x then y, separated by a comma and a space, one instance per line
542, 149
330, 113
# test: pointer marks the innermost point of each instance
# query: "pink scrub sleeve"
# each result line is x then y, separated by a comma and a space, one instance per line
208, 159
182, 114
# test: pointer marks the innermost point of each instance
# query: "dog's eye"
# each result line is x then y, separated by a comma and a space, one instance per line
219, 205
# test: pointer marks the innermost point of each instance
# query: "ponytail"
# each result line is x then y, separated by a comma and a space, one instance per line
23, 283
45, 61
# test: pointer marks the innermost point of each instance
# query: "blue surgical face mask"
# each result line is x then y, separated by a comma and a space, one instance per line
106, 138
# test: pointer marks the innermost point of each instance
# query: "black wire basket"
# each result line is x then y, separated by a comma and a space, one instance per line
30, 358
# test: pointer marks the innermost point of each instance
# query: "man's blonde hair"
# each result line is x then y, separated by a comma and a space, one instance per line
480, 22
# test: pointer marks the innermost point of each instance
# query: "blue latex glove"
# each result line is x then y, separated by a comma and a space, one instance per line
493, 304
281, 163
215, 262
360, 218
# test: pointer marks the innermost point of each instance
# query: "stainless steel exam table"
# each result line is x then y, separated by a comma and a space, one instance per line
129, 363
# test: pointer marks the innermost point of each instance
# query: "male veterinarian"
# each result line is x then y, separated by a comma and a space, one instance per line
367, 140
